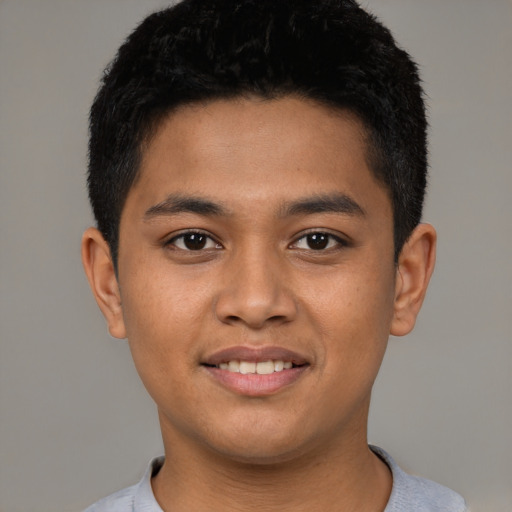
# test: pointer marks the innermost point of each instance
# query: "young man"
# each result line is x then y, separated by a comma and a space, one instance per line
257, 172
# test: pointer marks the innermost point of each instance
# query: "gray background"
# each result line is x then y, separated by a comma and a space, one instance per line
76, 423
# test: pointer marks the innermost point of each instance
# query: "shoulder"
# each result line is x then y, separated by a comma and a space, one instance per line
418, 494
121, 501
136, 498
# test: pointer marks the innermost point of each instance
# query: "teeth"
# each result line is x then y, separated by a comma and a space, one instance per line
234, 366
265, 368
247, 367
261, 368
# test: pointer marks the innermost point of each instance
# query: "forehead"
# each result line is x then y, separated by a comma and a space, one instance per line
249, 149
248, 119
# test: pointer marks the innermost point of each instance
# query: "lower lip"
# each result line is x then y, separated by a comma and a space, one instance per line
253, 384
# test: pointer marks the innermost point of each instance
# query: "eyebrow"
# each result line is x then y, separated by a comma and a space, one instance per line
330, 203
177, 203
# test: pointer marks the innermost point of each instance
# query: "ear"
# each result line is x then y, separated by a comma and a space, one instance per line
415, 266
99, 268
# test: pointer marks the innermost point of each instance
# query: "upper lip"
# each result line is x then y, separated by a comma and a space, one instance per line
254, 354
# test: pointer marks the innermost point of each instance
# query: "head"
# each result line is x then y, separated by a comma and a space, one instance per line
329, 51
257, 170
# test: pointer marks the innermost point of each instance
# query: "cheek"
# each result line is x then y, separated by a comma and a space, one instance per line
353, 313
162, 315
160, 348
159, 300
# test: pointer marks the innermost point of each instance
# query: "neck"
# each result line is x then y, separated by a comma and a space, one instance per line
346, 477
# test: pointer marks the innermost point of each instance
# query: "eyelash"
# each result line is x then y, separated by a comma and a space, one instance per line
333, 242
173, 241
338, 241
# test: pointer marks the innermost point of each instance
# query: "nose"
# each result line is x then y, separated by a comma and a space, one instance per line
255, 292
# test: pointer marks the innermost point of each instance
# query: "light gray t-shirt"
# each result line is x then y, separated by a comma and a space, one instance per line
409, 493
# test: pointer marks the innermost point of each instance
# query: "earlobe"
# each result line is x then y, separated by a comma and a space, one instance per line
415, 266
99, 268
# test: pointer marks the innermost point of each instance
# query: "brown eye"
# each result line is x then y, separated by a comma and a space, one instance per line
317, 241
193, 241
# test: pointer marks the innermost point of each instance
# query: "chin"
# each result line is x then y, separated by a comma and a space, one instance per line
260, 457
259, 447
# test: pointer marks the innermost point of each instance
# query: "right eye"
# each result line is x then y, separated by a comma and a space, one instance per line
319, 241
193, 241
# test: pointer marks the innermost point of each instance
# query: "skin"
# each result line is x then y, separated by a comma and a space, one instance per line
257, 283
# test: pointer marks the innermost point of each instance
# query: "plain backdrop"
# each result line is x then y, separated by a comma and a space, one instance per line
76, 424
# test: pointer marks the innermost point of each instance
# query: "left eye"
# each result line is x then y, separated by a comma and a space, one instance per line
317, 241
193, 242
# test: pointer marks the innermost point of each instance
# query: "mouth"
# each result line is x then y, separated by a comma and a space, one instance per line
252, 367
255, 372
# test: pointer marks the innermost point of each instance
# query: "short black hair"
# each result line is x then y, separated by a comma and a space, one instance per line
330, 51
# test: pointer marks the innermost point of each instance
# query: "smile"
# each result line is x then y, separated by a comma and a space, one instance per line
256, 372
261, 368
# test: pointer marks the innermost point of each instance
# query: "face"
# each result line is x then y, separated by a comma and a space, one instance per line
256, 277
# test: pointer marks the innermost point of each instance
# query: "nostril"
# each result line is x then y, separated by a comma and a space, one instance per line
254, 302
